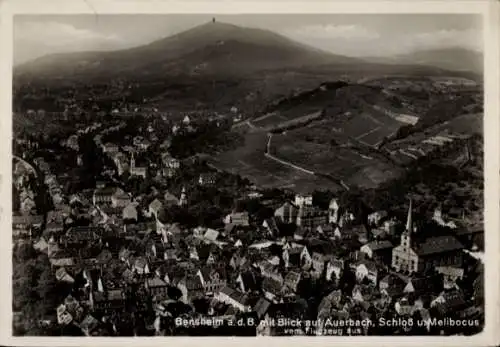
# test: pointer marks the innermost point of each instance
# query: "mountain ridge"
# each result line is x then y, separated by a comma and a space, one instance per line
277, 49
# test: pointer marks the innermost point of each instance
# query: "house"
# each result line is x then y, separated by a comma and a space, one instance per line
426, 286
129, 212
325, 229
392, 286
156, 251
287, 213
450, 275
104, 257
379, 234
318, 264
63, 316
156, 286
120, 198
63, 276
55, 216
449, 301
53, 228
269, 270
170, 199
155, 207
367, 270
292, 280
234, 298
261, 307
404, 307
419, 254
297, 257
142, 143
103, 196
110, 148
237, 218
374, 218
69, 311
211, 235
171, 163
42, 245
272, 289
301, 200
78, 237
27, 205
88, 325
108, 301
333, 211
311, 217
334, 269
301, 233
140, 265
378, 250
271, 226
236, 262
27, 222
247, 281
191, 288
206, 179
213, 280
363, 293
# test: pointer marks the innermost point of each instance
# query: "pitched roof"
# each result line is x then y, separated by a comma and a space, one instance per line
211, 234
450, 271
292, 277
272, 286
27, 219
155, 282
155, 205
170, 198
378, 245
249, 279
371, 266
438, 244
261, 307
237, 296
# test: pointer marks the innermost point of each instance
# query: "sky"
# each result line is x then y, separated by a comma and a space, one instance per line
357, 35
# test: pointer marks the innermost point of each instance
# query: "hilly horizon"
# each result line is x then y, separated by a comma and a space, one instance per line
213, 47
222, 49
448, 58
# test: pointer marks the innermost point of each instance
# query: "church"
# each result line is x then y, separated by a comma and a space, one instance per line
420, 253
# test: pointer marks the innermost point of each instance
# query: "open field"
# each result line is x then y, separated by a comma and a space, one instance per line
250, 161
343, 163
367, 128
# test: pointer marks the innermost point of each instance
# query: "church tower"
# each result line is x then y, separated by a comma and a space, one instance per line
300, 215
132, 162
333, 211
183, 199
410, 228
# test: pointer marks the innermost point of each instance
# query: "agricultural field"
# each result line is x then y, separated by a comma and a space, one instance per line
251, 162
343, 163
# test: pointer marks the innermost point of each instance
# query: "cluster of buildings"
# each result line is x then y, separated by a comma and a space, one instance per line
120, 254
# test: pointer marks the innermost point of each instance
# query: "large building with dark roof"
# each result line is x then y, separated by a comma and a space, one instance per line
420, 253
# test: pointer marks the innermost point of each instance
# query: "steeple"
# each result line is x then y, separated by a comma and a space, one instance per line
132, 161
183, 199
409, 218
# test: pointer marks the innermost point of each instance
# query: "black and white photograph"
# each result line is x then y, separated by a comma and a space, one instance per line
248, 174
